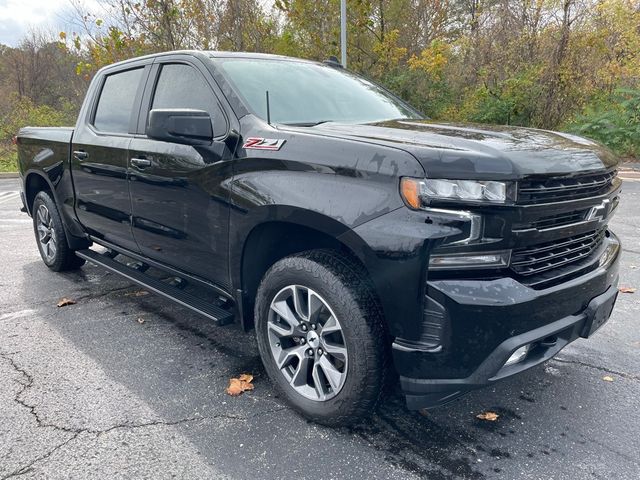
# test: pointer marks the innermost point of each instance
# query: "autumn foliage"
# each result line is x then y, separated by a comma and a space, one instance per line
554, 64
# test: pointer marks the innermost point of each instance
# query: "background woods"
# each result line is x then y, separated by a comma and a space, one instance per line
556, 64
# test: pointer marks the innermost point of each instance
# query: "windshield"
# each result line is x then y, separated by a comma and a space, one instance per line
306, 93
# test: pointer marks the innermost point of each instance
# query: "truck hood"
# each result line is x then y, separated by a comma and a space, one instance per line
449, 150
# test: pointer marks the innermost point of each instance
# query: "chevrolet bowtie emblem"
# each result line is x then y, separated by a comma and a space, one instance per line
599, 212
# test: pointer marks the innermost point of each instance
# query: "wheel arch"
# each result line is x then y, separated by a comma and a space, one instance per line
35, 182
271, 240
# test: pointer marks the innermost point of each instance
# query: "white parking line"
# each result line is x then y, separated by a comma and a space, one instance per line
16, 315
8, 196
4, 221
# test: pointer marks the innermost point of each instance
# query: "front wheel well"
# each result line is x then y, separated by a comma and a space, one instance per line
270, 242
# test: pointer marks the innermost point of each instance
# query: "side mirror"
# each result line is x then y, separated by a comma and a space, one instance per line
188, 127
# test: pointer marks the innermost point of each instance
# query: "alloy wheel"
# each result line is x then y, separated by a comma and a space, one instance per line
46, 234
307, 343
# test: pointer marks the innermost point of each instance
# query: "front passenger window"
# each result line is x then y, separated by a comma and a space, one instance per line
182, 86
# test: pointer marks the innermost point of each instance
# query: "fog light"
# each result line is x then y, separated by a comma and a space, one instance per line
517, 356
470, 260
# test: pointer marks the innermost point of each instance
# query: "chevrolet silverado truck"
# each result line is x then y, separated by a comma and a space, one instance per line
360, 240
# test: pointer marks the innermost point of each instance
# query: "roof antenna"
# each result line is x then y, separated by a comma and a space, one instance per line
268, 109
333, 61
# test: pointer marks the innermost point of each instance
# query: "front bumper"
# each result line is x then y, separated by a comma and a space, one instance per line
488, 320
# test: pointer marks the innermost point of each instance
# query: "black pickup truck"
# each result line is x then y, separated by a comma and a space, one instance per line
360, 240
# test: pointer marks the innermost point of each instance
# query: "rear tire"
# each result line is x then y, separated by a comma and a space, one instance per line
50, 235
321, 336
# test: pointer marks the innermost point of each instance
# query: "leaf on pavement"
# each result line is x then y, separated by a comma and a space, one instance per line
66, 301
240, 384
137, 293
627, 289
488, 416
607, 379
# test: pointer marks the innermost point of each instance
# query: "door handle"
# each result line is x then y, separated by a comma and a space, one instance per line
141, 162
80, 155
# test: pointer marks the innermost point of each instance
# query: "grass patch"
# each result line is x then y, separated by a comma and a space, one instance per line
8, 160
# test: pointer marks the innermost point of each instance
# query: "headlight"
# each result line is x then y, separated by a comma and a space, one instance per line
416, 192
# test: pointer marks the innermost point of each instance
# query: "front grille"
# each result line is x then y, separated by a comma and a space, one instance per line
569, 188
546, 256
552, 221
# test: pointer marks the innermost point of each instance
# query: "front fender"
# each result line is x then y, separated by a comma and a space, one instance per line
397, 251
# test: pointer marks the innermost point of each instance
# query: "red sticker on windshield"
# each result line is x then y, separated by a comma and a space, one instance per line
256, 143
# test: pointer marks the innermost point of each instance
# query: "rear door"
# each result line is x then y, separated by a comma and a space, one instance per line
100, 153
180, 193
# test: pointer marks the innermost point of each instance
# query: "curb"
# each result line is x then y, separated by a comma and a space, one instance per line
9, 175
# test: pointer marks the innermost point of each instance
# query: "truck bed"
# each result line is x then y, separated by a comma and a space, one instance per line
43, 147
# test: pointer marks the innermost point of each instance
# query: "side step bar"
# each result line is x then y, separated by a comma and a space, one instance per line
219, 315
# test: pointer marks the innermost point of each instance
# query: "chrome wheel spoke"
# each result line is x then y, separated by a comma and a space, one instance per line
285, 313
301, 302
53, 247
42, 214
319, 383
288, 355
338, 351
43, 233
299, 377
278, 330
331, 326
316, 306
334, 376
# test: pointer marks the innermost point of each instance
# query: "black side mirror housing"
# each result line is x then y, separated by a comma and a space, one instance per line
188, 127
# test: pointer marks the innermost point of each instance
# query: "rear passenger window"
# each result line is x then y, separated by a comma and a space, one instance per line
116, 101
182, 86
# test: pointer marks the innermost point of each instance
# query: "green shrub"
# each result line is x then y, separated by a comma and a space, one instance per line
508, 102
614, 122
8, 159
22, 112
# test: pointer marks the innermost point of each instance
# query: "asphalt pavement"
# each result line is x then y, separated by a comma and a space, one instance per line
123, 385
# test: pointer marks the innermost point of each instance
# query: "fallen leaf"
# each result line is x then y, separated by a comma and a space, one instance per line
488, 416
240, 384
627, 289
608, 379
140, 320
66, 301
137, 293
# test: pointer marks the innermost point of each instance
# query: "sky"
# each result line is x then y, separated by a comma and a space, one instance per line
18, 16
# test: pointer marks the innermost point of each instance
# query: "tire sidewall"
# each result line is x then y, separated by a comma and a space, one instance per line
307, 273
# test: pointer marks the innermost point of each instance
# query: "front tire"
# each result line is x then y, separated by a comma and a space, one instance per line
50, 236
321, 337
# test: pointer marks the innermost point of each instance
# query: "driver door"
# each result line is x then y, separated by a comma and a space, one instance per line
179, 197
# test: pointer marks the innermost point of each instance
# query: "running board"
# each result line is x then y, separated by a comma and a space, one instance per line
219, 315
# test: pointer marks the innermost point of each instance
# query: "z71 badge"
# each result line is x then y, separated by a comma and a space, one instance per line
256, 143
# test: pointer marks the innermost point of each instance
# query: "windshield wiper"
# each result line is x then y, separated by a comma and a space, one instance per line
307, 124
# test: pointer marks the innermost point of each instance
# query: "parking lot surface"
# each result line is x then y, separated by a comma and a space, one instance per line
128, 385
